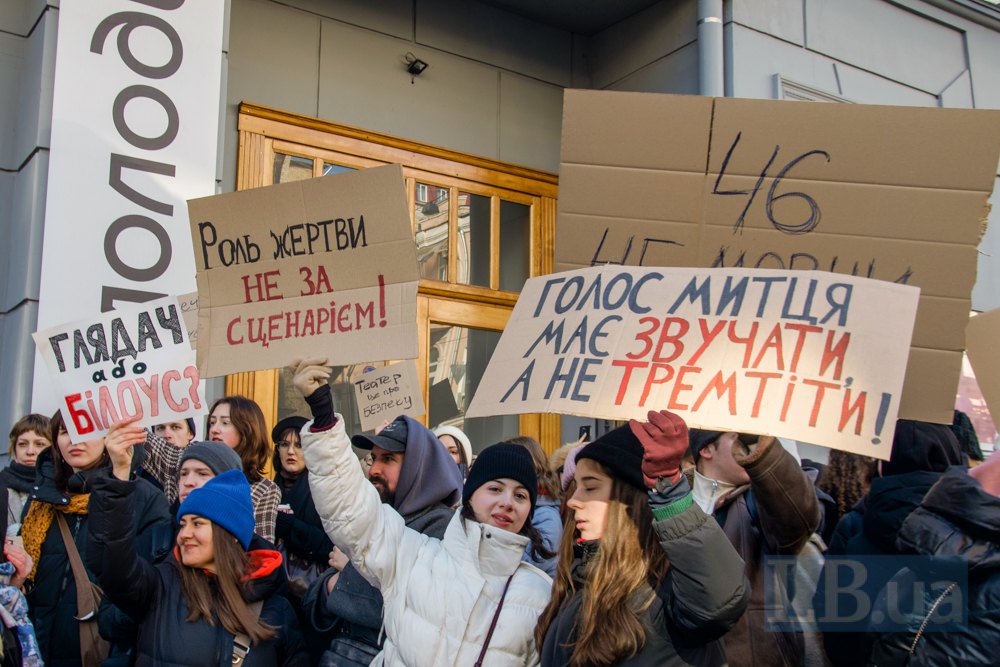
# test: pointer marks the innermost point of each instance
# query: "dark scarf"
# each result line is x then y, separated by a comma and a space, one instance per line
18, 476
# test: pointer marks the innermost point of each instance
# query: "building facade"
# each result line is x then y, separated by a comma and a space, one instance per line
311, 87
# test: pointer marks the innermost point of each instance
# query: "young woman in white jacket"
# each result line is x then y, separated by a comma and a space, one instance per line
467, 599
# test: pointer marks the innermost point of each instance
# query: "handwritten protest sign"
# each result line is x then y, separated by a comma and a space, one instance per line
128, 362
982, 335
891, 193
189, 312
387, 392
808, 355
322, 266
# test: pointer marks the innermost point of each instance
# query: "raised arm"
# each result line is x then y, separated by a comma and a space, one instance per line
785, 496
129, 581
162, 460
352, 513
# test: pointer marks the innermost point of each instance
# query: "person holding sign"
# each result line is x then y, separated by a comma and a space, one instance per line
449, 601
54, 533
766, 505
644, 576
235, 421
215, 600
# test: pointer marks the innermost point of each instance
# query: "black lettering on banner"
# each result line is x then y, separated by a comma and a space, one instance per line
803, 227
121, 162
146, 143
129, 21
131, 272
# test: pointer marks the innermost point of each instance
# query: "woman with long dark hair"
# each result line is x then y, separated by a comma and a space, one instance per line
451, 601
644, 576
235, 421
212, 602
66, 473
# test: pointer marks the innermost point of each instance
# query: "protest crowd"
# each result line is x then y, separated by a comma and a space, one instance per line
653, 544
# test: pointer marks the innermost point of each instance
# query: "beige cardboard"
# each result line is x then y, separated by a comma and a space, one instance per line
189, 311
388, 392
321, 267
614, 356
981, 339
901, 198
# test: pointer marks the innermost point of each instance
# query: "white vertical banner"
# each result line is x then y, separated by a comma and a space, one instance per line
135, 117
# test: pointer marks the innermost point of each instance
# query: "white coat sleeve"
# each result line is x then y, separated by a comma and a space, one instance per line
372, 535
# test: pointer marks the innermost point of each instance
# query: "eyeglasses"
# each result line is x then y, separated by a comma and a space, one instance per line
285, 444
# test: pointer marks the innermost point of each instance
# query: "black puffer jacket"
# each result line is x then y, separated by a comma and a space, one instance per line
52, 601
957, 523
153, 595
301, 531
703, 595
921, 452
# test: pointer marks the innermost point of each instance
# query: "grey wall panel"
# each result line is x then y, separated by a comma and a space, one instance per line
958, 94
530, 122
11, 63
676, 73
494, 36
754, 60
34, 123
641, 39
17, 355
984, 62
24, 235
363, 82
14, 16
783, 19
867, 88
6, 222
392, 17
273, 56
881, 37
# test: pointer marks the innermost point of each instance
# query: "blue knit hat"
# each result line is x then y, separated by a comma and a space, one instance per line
225, 501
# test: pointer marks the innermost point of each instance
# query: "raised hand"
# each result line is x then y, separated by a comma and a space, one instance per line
309, 374
121, 438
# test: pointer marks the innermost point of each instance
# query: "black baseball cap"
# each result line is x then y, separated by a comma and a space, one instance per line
392, 438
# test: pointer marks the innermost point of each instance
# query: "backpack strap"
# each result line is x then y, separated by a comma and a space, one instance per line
241, 642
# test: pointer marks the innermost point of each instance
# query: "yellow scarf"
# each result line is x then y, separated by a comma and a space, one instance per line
36, 525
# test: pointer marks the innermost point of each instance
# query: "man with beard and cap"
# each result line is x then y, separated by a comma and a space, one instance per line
416, 476
921, 453
766, 506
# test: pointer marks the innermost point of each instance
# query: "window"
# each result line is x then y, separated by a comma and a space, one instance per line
481, 228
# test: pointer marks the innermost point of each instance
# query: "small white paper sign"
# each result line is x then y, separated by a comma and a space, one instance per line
387, 392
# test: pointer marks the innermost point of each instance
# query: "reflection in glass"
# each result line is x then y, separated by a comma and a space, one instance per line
290, 401
288, 168
458, 358
515, 245
330, 168
473, 239
430, 230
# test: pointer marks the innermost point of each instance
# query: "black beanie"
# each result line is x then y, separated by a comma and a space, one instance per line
699, 439
620, 452
502, 460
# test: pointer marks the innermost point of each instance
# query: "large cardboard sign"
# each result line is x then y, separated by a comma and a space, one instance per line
892, 193
387, 392
133, 361
325, 266
981, 336
135, 131
808, 355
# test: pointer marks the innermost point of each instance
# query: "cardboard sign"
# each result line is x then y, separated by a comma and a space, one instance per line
892, 193
132, 361
325, 266
981, 337
189, 311
388, 392
808, 355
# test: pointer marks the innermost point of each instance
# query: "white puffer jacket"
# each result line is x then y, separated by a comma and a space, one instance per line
440, 595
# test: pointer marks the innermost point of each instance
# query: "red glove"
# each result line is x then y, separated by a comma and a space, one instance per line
665, 439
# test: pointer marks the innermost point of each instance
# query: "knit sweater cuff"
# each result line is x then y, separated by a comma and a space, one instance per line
673, 509
321, 405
